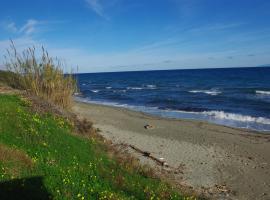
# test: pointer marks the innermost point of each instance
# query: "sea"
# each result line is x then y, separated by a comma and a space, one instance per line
235, 97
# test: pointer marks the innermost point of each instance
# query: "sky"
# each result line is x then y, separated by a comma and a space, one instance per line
128, 35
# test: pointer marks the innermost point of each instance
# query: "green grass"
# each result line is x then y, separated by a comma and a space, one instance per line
39, 157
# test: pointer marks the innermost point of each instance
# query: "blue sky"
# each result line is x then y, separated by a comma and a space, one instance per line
123, 35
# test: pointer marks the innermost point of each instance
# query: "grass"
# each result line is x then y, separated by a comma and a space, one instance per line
41, 159
38, 73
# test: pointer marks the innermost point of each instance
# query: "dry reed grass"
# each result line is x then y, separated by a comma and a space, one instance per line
41, 75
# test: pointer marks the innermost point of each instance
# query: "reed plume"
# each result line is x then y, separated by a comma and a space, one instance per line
41, 75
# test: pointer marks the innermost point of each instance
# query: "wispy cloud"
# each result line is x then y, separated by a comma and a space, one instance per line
216, 27
11, 27
97, 7
29, 27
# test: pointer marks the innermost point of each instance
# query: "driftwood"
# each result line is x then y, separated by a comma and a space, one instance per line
148, 154
144, 153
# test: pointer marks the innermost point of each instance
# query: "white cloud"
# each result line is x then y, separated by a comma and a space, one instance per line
215, 27
29, 27
97, 7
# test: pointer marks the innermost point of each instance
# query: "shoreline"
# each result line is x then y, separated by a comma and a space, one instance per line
207, 154
159, 116
188, 116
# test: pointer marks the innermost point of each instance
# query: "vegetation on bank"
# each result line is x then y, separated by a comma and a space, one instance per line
39, 74
41, 159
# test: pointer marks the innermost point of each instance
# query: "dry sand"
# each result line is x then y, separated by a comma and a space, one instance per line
210, 157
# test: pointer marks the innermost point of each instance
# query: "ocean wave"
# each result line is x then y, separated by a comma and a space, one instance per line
108, 88
151, 86
210, 92
119, 91
95, 91
262, 92
236, 117
134, 88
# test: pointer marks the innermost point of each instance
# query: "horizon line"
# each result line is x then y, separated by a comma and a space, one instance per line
206, 68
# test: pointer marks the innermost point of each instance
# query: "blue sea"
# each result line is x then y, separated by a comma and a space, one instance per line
236, 97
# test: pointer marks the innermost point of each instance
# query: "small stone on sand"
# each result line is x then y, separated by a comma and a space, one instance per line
148, 126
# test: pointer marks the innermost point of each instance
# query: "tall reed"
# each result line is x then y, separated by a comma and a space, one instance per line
41, 75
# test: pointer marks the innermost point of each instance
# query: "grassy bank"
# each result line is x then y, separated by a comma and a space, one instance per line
41, 159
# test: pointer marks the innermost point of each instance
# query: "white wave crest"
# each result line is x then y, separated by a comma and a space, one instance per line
210, 92
151, 86
262, 92
134, 88
119, 91
95, 91
108, 88
236, 117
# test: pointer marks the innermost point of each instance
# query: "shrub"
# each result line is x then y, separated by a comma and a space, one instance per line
40, 75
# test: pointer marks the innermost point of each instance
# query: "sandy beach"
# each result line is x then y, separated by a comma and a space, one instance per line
208, 156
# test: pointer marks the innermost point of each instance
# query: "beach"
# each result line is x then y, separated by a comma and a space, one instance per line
207, 156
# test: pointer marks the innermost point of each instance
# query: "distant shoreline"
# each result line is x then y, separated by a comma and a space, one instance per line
207, 154
209, 68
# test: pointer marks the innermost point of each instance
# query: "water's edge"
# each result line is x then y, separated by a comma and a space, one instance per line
178, 115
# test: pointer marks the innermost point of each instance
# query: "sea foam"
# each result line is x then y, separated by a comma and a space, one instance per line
134, 88
262, 92
236, 117
151, 86
210, 92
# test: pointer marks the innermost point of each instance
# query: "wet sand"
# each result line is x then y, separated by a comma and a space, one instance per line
209, 156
